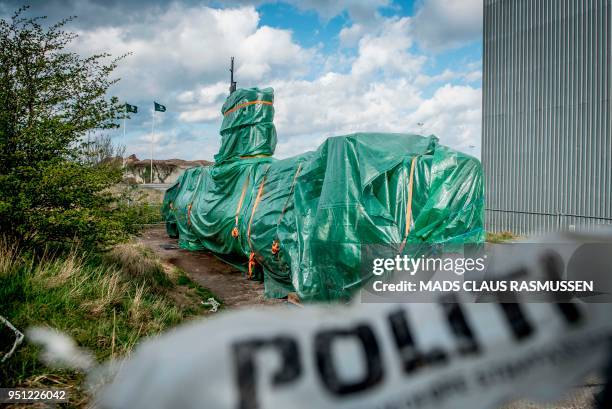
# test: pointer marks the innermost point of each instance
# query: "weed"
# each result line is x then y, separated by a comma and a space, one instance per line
500, 237
140, 264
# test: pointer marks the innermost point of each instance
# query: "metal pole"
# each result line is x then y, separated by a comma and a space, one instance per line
152, 138
232, 82
122, 158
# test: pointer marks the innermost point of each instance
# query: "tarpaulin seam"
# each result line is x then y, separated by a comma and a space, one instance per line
291, 188
261, 155
193, 198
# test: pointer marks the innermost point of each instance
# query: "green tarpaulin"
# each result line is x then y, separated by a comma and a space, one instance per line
301, 221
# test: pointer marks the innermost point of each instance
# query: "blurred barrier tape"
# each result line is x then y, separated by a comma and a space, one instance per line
377, 356
214, 304
18, 338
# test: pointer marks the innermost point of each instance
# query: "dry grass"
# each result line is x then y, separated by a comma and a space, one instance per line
106, 303
8, 253
140, 264
501, 237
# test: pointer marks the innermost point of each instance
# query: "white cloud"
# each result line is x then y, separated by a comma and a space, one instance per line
184, 46
350, 36
444, 24
446, 75
380, 91
308, 112
472, 76
454, 114
388, 50
181, 54
336, 103
368, 99
203, 104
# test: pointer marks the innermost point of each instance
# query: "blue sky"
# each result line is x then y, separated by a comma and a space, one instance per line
336, 67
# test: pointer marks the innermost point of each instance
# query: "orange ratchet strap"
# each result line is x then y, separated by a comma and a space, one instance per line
252, 264
245, 104
257, 200
409, 204
252, 261
235, 232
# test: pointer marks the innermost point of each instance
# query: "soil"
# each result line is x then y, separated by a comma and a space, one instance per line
223, 280
235, 290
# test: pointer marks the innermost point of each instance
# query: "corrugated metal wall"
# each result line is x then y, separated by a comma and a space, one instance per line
547, 122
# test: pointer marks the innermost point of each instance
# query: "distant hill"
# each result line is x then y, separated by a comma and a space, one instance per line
164, 170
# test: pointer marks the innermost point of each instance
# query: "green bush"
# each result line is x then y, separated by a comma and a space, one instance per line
54, 189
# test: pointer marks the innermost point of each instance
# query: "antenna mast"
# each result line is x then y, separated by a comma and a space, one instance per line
232, 87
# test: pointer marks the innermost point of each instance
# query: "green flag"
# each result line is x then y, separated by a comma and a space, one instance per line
131, 108
159, 107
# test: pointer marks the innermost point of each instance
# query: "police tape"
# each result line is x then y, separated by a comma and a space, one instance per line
377, 356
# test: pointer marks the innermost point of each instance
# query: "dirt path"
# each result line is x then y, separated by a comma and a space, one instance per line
223, 280
235, 290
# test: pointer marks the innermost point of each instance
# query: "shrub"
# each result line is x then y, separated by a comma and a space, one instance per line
54, 186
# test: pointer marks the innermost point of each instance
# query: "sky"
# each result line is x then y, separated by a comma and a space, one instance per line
337, 67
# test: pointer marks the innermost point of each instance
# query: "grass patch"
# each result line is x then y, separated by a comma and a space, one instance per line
137, 262
105, 303
500, 237
198, 290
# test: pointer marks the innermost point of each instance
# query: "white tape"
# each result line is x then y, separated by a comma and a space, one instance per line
378, 356
214, 304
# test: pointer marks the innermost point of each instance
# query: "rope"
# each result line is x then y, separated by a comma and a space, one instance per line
252, 261
257, 200
409, 204
244, 104
252, 264
276, 243
189, 206
18, 338
235, 232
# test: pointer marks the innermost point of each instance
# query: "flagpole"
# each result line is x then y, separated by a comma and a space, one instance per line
122, 158
152, 138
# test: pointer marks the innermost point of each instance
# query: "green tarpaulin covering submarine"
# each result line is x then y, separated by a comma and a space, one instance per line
299, 223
